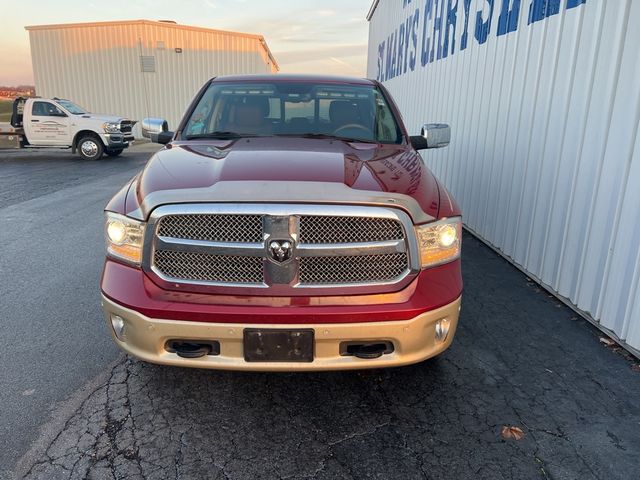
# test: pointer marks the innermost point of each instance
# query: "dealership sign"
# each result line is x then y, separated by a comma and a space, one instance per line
436, 29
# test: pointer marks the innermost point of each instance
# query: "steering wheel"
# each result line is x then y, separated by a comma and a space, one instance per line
356, 126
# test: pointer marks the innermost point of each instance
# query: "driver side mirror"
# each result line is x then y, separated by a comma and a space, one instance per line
432, 135
157, 130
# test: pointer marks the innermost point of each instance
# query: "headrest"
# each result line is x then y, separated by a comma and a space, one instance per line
248, 116
262, 103
343, 111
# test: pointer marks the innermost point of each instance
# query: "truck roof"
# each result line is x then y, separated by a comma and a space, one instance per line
289, 77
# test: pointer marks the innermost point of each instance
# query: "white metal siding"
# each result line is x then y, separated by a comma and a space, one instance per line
545, 155
99, 65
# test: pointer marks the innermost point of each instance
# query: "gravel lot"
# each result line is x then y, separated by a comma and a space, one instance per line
523, 366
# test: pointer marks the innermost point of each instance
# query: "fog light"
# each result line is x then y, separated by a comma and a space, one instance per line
117, 323
442, 329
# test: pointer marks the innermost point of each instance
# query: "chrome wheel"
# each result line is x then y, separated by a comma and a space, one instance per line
89, 148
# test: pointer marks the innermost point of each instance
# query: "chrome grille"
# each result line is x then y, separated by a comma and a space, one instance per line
352, 269
333, 229
209, 267
215, 228
360, 249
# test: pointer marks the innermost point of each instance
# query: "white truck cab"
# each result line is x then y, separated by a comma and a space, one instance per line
59, 123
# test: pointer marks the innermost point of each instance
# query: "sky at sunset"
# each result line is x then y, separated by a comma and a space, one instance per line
308, 36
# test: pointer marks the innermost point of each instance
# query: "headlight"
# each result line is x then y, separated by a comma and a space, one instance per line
124, 237
111, 127
440, 241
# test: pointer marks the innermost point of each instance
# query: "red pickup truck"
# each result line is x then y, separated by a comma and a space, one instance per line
288, 224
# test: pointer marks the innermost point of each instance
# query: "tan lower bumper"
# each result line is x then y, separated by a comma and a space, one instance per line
414, 341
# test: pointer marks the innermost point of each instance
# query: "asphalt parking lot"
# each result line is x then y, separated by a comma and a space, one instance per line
527, 389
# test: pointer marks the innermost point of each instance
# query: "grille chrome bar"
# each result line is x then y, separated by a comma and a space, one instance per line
203, 246
349, 249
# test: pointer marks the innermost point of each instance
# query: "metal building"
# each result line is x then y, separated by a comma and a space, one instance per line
139, 68
543, 97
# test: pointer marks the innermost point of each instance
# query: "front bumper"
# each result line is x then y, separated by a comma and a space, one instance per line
414, 340
117, 141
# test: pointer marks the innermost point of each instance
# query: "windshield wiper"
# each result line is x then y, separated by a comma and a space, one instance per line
221, 135
324, 135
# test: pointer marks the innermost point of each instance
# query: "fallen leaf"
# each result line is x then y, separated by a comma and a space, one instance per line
607, 341
511, 432
635, 367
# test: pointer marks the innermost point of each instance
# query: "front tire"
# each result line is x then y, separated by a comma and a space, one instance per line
90, 147
114, 153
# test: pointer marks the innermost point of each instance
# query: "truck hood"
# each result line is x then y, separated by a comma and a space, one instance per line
277, 169
99, 117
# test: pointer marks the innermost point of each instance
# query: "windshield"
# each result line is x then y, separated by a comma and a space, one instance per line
71, 107
350, 112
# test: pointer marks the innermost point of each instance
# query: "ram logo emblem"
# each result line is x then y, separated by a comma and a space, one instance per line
280, 250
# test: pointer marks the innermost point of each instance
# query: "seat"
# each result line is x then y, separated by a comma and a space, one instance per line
299, 125
343, 112
250, 117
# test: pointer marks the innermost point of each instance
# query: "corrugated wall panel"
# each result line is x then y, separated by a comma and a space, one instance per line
545, 155
98, 65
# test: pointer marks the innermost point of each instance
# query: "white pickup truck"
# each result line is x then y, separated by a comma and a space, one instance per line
59, 123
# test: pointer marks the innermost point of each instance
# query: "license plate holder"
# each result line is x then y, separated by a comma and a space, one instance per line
278, 345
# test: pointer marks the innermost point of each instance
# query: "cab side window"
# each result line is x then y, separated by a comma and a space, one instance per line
46, 109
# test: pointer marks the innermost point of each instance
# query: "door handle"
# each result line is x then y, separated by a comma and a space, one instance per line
34, 121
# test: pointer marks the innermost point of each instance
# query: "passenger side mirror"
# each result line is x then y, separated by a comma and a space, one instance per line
432, 135
157, 130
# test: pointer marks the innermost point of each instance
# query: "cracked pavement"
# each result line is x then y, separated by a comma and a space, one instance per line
520, 358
